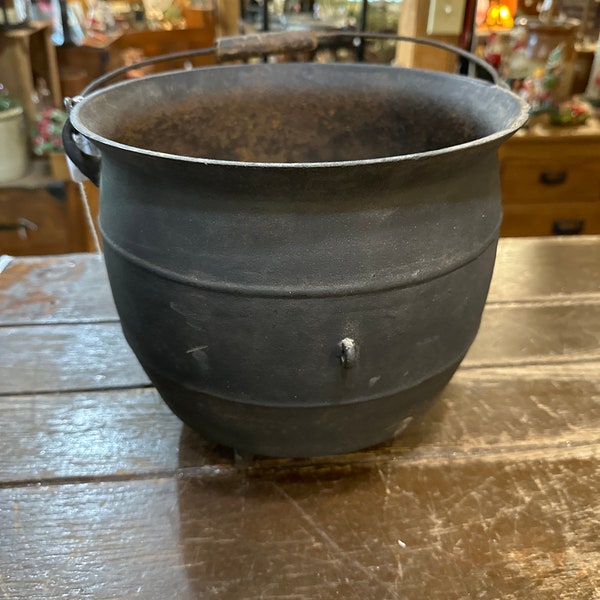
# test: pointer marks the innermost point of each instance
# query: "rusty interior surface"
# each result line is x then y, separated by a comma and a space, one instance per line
310, 127
297, 113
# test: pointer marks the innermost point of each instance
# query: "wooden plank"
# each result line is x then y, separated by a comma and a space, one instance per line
495, 494
74, 288
55, 289
67, 357
527, 528
536, 334
79, 435
493, 414
131, 540
116, 434
96, 356
84, 434
543, 268
521, 529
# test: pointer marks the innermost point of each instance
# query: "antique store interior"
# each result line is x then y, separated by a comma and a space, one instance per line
49, 50
309, 377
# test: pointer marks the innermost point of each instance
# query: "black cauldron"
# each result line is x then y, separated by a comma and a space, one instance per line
299, 253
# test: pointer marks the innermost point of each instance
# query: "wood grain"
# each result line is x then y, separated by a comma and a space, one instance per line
482, 415
493, 494
549, 219
67, 357
74, 289
532, 269
550, 174
96, 355
49, 232
55, 289
524, 182
524, 529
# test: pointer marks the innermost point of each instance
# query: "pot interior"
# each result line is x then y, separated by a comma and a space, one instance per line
297, 113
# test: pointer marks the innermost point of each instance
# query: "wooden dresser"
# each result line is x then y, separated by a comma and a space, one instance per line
551, 180
44, 214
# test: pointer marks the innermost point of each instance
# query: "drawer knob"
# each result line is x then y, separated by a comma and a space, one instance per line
568, 226
21, 226
553, 177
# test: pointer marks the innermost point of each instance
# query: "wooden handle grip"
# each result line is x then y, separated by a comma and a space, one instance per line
247, 46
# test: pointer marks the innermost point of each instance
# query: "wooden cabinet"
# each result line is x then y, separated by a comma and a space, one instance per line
551, 181
36, 221
93, 61
42, 215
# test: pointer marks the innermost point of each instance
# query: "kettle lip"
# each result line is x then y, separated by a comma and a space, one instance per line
497, 137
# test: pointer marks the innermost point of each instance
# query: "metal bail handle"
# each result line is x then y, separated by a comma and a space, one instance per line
242, 48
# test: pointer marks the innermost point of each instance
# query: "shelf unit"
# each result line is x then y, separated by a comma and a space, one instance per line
25, 55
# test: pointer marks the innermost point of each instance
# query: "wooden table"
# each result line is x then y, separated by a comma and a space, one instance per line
496, 494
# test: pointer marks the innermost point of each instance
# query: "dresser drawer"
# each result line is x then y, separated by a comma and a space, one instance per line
34, 221
546, 180
560, 218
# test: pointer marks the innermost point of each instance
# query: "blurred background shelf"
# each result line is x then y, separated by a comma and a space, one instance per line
25, 56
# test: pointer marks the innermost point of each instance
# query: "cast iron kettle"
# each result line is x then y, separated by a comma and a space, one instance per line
299, 253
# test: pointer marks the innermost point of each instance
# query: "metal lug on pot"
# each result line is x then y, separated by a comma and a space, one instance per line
70, 103
348, 353
242, 459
